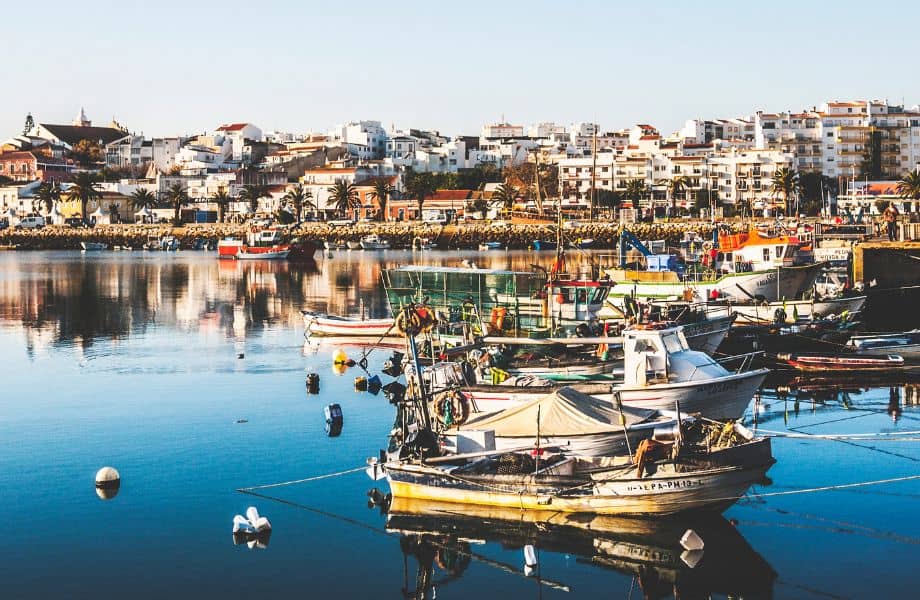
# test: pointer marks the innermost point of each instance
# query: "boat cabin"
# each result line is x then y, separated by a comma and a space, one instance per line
264, 238
754, 251
659, 353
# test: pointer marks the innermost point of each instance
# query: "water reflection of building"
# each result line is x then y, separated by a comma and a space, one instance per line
78, 298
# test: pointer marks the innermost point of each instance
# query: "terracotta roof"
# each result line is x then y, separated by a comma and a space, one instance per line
451, 195
649, 137
232, 127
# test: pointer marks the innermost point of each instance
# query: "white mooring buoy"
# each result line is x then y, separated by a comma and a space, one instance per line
107, 482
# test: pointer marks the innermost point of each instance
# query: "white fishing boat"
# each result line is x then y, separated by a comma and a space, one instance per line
905, 344
332, 325
786, 311
566, 418
374, 242
660, 370
485, 246
771, 285
335, 245
248, 254
92, 246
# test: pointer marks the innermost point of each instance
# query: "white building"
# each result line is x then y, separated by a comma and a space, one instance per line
499, 131
745, 177
238, 134
365, 140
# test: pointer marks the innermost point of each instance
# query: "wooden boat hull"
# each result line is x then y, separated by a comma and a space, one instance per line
328, 325
850, 363
248, 254
610, 493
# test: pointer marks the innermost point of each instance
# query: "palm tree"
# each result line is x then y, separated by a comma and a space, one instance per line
785, 183
251, 193
675, 186
298, 198
909, 186
343, 196
421, 186
222, 200
504, 196
48, 194
381, 193
178, 197
143, 198
636, 189
83, 190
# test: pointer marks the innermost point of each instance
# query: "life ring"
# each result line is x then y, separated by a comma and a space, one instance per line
415, 320
451, 407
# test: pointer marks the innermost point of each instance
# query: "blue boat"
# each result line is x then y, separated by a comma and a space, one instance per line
543, 245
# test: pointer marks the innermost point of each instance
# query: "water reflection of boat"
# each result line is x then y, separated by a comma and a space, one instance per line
440, 535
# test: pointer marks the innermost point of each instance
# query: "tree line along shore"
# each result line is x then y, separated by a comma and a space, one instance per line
512, 236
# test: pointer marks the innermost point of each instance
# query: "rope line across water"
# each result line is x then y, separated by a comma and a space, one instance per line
305, 480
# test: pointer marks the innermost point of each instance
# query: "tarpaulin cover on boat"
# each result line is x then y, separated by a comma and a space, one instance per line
563, 412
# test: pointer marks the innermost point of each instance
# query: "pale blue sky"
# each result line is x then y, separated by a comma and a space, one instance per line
166, 67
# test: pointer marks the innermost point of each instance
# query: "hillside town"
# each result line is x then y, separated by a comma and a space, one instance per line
850, 158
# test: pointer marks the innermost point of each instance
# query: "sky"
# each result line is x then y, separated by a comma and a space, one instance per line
173, 68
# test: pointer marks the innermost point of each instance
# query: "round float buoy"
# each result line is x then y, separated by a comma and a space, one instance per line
360, 383
107, 483
339, 357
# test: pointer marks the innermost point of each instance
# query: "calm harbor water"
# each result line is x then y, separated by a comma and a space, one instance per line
132, 360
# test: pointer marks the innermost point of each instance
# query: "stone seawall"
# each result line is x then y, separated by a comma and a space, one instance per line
515, 236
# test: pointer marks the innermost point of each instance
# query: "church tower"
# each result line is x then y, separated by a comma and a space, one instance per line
81, 120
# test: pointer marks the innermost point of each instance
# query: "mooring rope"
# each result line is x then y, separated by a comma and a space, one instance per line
837, 436
305, 480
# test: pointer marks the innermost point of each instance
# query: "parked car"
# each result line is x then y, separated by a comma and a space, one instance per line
31, 223
75, 222
341, 222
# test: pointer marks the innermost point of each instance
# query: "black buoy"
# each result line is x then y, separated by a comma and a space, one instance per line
240, 355
334, 420
313, 383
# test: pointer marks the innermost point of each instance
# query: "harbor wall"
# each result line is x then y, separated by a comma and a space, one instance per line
515, 236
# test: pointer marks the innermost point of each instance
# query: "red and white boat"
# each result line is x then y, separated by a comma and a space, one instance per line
352, 327
841, 363
264, 244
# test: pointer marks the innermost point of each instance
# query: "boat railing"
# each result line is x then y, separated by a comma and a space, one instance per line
746, 360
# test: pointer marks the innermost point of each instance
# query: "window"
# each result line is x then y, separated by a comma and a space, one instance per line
766, 254
671, 343
645, 346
